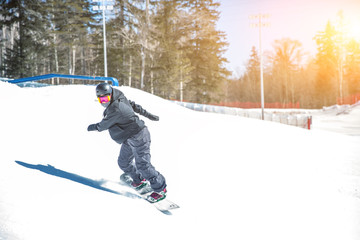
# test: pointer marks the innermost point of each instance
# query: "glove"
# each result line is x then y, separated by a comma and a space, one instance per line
92, 127
153, 117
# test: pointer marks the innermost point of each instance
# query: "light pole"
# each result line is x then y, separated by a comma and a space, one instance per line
104, 7
261, 24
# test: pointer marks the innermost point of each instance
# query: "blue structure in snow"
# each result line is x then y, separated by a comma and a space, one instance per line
114, 81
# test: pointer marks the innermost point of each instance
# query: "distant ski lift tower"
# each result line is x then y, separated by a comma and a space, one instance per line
103, 7
261, 24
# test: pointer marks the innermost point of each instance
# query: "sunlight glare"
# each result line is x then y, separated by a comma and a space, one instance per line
354, 29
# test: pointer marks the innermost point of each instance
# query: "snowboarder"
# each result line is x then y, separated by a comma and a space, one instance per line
127, 129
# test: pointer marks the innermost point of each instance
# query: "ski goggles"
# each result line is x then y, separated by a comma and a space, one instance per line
104, 99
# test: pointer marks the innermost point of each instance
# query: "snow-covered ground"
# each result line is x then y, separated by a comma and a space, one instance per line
233, 177
341, 119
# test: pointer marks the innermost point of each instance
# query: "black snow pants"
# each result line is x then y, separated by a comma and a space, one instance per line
138, 147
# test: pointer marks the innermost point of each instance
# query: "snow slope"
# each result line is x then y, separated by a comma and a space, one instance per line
343, 119
233, 177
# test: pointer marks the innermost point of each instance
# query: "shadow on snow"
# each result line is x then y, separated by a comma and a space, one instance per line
98, 184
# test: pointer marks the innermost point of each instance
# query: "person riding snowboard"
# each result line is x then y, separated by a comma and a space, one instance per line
127, 129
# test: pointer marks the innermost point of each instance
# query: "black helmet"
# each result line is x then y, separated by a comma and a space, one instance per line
104, 94
103, 89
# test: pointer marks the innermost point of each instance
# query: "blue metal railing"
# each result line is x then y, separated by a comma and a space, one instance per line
114, 81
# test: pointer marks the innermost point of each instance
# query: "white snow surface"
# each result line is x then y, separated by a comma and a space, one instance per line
233, 177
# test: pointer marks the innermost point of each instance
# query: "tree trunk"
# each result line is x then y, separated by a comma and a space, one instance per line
73, 59
142, 85
3, 49
56, 59
130, 66
82, 57
145, 43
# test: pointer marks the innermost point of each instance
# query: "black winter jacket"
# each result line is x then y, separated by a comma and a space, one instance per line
120, 118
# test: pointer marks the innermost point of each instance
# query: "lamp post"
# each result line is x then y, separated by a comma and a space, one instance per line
104, 7
261, 24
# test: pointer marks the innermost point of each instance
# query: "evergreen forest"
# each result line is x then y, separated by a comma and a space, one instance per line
173, 49
290, 75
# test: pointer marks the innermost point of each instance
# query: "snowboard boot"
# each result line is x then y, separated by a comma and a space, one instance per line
139, 186
157, 196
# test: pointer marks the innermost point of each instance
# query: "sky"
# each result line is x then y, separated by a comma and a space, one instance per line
295, 19
233, 177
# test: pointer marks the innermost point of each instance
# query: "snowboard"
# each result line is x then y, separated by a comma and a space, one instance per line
164, 205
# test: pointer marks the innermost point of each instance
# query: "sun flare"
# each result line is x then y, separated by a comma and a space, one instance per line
354, 29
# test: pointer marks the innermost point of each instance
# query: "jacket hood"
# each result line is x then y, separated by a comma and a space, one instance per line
117, 95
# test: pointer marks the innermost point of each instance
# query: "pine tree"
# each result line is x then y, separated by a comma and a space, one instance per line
26, 18
286, 60
120, 36
326, 59
352, 67
169, 63
252, 77
72, 21
125, 42
205, 50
